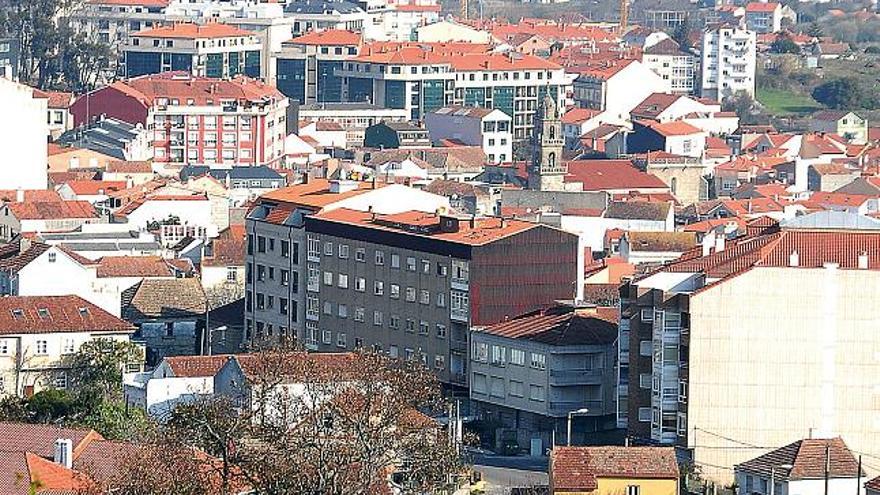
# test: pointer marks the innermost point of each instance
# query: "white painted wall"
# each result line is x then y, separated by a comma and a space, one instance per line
23, 135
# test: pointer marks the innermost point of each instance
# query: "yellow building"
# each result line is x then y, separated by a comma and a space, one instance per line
613, 471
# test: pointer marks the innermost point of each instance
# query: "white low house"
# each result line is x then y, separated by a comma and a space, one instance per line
174, 381
492, 130
799, 468
655, 247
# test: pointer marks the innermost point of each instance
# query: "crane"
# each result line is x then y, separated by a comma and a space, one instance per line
464, 9
624, 16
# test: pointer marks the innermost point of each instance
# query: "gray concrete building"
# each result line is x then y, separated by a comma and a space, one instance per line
530, 372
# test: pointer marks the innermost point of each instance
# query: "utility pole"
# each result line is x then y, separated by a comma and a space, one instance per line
827, 466
859, 477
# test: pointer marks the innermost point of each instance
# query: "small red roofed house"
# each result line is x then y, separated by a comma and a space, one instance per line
676, 137
613, 470
45, 216
612, 176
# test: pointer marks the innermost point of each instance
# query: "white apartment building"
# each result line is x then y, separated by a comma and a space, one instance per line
669, 61
39, 333
728, 62
616, 87
24, 137
490, 129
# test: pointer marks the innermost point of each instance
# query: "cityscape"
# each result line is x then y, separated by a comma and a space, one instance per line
411, 247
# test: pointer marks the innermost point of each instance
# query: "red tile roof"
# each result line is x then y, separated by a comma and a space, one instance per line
577, 469
655, 104
333, 37
501, 62
182, 86
129, 167
761, 6
134, 266
412, 53
556, 326
226, 252
807, 460
40, 438
603, 71
94, 187
196, 366
668, 129
313, 195
52, 210
50, 314
579, 115
416, 223
30, 195
187, 30
601, 175
57, 99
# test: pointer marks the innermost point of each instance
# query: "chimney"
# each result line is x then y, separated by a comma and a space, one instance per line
708, 242
64, 452
863, 260
19, 195
473, 221
794, 259
719, 242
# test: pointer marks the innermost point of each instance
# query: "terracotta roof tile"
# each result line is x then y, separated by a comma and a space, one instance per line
188, 30
134, 266
49, 314
599, 175
668, 129
661, 241
314, 195
129, 167
227, 252
40, 438
166, 298
94, 187
196, 366
556, 326
807, 458
761, 6
180, 85
52, 210
579, 115
576, 469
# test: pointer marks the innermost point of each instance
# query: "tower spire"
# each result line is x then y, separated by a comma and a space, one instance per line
547, 172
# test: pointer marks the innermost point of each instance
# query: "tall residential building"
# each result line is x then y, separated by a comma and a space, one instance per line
306, 66
9, 54
728, 62
207, 50
412, 284
669, 61
700, 369
279, 274
197, 120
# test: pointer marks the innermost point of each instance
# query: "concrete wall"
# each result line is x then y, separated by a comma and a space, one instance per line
23, 134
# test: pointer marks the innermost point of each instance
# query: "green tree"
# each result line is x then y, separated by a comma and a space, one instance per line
51, 405
115, 421
743, 105
784, 44
98, 366
815, 30
682, 33
845, 93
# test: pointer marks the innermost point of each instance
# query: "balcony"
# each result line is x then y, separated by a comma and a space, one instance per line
458, 346
461, 315
459, 284
458, 378
314, 257
575, 377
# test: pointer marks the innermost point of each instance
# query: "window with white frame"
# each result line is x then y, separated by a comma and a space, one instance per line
60, 381
441, 299
42, 348
342, 311
648, 315
69, 346
328, 248
439, 362
441, 331
360, 254
645, 348
327, 337
518, 357
395, 260
536, 392
633, 490
342, 281
343, 251
360, 284
380, 257
410, 294
644, 414
424, 297
394, 291
4, 347
539, 361
481, 352
645, 380
411, 264
499, 355
377, 318
359, 314
378, 287
340, 340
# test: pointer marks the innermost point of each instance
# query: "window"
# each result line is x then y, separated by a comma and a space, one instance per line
441, 270
261, 244
647, 315
682, 424
411, 264
410, 294
231, 274
380, 257
69, 346
42, 347
328, 278
52, 256
314, 248
282, 305
518, 357
516, 388
645, 348
682, 391
343, 251
342, 281
441, 299
536, 393
378, 287
499, 355
539, 361
328, 249
377, 318
644, 414
439, 362
360, 255
60, 381
394, 322
395, 260
426, 266
645, 380
261, 273
312, 307
359, 314
441, 331
395, 291
327, 337
632, 490
340, 340
342, 311
410, 325
423, 328
360, 284
393, 352
328, 308
285, 278
285, 249
425, 297
481, 352
4, 347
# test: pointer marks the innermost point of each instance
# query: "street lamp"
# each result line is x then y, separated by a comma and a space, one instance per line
570, 414
773, 476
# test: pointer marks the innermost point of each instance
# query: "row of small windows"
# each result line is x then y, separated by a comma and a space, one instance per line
267, 244
341, 341
499, 356
459, 269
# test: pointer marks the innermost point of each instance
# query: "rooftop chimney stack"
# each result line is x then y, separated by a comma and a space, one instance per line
64, 452
863, 260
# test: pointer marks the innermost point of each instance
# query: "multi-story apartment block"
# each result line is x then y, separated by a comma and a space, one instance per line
320, 15
208, 50
280, 273
197, 120
111, 21
529, 372
412, 284
669, 61
39, 334
422, 78
9, 53
355, 118
306, 66
615, 87
698, 368
491, 130
728, 62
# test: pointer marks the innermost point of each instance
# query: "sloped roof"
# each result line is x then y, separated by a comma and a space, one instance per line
637, 210
807, 458
167, 298
660, 241
196, 366
599, 175
40, 438
328, 37
133, 266
52, 210
51, 314
557, 326
577, 469
187, 30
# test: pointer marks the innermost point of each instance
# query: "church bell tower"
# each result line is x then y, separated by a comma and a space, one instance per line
547, 172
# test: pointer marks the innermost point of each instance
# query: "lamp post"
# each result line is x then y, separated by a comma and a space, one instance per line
570, 414
773, 476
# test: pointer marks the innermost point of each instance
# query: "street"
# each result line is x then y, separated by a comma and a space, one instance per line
502, 473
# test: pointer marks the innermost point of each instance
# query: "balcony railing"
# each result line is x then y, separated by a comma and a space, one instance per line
459, 284
575, 377
459, 315
596, 407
